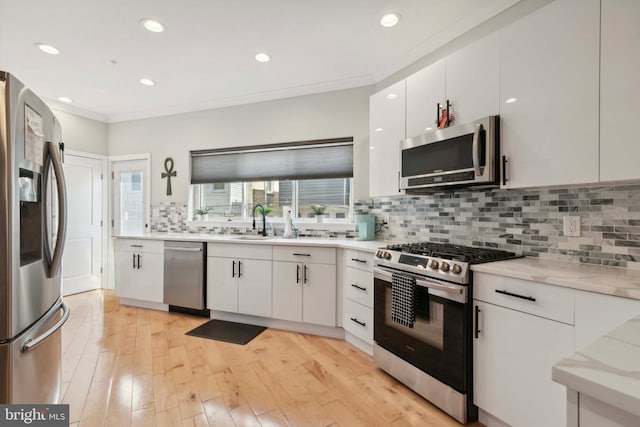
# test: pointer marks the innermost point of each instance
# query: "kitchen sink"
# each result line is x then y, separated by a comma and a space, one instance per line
251, 237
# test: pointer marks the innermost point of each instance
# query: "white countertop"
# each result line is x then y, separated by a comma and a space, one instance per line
367, 246
607, 369
601, 279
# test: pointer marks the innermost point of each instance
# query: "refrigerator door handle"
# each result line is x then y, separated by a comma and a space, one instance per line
56, 259
30, 344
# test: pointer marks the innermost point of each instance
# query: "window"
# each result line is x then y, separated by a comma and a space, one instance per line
237, 199
130, 196
296, 175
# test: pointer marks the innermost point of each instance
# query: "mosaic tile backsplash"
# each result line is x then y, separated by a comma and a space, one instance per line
524, 221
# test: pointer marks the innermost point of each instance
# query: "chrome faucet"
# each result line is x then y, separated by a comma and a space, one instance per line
264, 220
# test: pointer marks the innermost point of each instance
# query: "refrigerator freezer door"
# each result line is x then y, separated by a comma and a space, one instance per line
30, 365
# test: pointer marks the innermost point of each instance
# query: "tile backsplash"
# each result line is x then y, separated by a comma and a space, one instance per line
523, 221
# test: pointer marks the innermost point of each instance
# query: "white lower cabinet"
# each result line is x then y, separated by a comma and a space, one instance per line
357, 290
304, 284
521, 329
239, 285
139, 269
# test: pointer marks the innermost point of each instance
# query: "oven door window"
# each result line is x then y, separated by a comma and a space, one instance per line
439, 341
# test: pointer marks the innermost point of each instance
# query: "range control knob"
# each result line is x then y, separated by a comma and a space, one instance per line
387, 255
444, 266
379, 254
456, 269
433, 264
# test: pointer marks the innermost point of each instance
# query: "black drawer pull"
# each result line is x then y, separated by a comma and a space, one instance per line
137, 246
362, 261
515, 295
358, 287
353, 319
301, 254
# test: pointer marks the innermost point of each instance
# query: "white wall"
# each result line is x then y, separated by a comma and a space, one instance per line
83, 134
327, 115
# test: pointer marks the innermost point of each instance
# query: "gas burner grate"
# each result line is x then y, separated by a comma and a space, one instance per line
470, 254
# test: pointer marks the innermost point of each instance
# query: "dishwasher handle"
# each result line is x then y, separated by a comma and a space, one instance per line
178, 249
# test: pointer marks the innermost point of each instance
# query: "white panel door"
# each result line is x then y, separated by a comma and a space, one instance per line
287, 291
82, 258
319, 294
254, 287
222, 284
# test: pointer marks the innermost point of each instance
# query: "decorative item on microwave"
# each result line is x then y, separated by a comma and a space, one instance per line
168, 173
444, 116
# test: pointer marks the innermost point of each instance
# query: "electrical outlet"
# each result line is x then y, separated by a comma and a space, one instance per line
571, 226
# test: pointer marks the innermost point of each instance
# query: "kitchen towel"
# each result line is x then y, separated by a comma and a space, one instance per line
403, 309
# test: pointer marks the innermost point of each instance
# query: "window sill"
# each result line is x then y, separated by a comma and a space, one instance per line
307, 224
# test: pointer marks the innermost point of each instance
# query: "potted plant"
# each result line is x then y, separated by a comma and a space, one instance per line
203, 213
318, 211
267, 211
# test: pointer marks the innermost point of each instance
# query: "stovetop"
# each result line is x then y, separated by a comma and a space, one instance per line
449, 251
444, 261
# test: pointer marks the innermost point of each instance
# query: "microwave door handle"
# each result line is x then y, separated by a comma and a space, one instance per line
476, 149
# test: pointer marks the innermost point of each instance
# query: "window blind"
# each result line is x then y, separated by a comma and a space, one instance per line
330, 158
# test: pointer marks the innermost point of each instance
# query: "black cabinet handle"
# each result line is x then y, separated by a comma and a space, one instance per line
136, 246
239, 268
504, 170
477, 330
138, 261
134, 261
515, 295
305, 273
301, 254
298, 273
233, 269
362, 261
353, 319
358, 287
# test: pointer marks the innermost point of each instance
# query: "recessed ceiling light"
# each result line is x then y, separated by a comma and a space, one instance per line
428, 128
263, 57
151, 25
392, 96
65, 99
47, 48
510, 100
147, 82
379, 129
390, 19
372, 148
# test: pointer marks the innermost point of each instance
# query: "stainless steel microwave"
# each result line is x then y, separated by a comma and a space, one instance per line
460, 156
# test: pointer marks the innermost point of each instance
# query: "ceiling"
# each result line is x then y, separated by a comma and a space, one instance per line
205, 57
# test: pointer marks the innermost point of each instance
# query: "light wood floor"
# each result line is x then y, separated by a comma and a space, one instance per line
125, 366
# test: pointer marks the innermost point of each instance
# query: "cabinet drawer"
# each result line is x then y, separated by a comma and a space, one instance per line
239, 250
358, 320
139, 246
358, 286
539, 299
305, 254
359, 259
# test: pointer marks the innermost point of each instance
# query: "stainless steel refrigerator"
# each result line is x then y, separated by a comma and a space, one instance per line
32, 234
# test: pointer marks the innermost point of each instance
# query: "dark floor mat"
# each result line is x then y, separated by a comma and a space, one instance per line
221, 330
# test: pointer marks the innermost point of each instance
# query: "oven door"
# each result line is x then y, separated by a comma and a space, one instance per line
439, 341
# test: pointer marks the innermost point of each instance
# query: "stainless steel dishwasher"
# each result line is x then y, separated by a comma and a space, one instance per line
184, 272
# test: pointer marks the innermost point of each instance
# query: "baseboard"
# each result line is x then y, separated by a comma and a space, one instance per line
359, 343
144, 304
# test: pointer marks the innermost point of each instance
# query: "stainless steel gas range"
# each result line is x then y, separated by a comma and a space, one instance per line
422, 320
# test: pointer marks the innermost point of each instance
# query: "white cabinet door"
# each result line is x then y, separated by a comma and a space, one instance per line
472, 80
254, 287
386, 130
513, 356
549, 63
222, 284
425, 89
287, 290
598, 314
140, 276
319, 294
619, 90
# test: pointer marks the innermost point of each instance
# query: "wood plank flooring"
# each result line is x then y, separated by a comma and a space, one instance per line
125, 366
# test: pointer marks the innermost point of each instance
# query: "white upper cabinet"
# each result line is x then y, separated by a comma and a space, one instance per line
472, 83
386, 130
549, 63
425, 89
620, 90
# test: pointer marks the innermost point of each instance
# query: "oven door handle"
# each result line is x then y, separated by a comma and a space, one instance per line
452, 289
